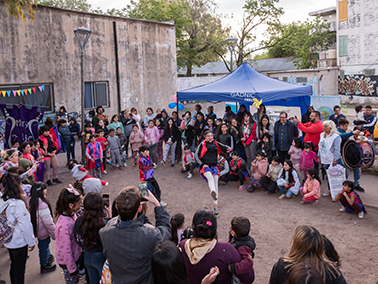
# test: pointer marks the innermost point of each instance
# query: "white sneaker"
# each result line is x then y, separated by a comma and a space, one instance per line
163, 204
104, 172
190, 175
106, 184
282, 196
124, 164
361, 215
342, 209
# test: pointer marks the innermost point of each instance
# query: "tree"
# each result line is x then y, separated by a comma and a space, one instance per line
18, 8
257, 13
304, 40
198, 29
77, 5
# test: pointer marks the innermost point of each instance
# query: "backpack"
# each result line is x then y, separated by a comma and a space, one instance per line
6, 232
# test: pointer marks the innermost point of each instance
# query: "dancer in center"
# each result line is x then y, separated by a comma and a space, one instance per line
206, 156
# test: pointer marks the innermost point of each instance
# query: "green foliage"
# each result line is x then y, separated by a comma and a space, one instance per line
258, 13
199, 33
304, 40
20, 8
77, 5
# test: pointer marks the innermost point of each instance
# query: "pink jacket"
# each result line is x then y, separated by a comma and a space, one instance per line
136, 139
261, 168
45, 223
307, 160
66, 247
311, 188
152, 135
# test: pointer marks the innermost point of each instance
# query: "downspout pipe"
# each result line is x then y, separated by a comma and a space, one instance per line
117, 66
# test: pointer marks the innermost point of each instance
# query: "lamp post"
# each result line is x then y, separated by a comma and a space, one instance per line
85, 34
231, 43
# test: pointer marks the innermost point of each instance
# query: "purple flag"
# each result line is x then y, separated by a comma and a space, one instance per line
21, 123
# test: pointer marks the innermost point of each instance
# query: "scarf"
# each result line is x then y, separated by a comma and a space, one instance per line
196, 249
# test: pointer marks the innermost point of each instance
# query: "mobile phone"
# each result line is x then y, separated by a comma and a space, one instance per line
105, 199
143, 188
295, 116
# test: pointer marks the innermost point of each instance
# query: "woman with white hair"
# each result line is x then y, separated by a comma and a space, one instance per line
329, 146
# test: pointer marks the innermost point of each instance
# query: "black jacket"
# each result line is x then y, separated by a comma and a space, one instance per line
226, 139
280, 274
210, 156
172, 133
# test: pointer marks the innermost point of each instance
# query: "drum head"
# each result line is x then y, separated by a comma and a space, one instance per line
353, 154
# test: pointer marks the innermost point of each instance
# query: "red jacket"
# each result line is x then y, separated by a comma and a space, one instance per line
312, 131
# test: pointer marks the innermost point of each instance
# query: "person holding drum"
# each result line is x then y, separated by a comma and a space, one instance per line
343, 127
329, 147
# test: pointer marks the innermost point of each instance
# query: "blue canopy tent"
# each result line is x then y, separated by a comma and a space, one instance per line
245, 84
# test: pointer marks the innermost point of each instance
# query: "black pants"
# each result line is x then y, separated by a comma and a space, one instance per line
178, 150
155, 189
284, 155
239, 177
127, 146
189, 168
18, 263
104, 159
268, 184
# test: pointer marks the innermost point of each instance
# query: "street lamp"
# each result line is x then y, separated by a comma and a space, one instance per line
231, 43
85, 34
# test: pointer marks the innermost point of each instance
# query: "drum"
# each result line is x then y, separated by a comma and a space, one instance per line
358, 154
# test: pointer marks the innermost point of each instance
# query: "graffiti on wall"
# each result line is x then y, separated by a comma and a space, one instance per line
313, 83
358, 85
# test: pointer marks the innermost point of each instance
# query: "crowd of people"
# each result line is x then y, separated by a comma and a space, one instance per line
237, 147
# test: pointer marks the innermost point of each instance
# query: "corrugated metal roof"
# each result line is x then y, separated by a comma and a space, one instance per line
261, 65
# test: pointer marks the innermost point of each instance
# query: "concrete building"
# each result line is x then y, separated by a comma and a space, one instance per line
45, 53
357, 36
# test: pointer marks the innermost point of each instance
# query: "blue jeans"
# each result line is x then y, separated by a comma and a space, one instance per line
356, 173
285, 191
44, 251
94, 261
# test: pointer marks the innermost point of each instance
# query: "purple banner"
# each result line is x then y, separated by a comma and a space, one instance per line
21, 123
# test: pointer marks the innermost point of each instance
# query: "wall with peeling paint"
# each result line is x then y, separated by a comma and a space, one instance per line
46, 51
361, 27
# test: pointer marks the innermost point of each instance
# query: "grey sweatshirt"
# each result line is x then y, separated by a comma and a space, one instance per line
114, 143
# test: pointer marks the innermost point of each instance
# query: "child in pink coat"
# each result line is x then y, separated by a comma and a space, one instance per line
259, 168
308, 157
311, 189
67, 249
136, 139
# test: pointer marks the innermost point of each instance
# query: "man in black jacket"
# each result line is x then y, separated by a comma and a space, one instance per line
128, 241
284, 133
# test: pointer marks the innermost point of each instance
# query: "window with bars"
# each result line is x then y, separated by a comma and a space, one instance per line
96, 94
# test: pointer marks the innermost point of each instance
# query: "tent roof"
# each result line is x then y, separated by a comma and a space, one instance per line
242, 85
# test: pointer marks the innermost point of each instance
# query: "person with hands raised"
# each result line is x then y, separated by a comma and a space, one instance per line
207, 157
129, 241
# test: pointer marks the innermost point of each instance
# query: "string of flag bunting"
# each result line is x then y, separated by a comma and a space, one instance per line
23, 92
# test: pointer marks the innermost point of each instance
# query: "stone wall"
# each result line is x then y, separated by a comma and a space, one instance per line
46, 51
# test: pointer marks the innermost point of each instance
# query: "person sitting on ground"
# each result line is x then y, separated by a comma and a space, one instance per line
238, 170
304, 272
311, 189
306, 246
129, 241
266, 146
203, 251
288, 182
258, 169
350, 200
269, 181
188, 162
241, 240
168, 266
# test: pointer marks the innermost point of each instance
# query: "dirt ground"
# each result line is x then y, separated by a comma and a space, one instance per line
273, 222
